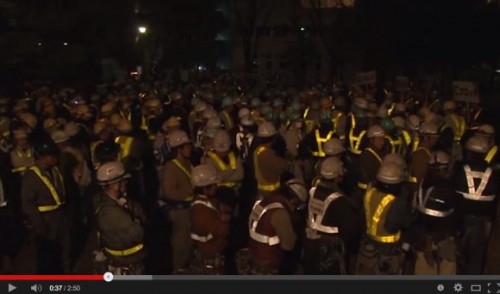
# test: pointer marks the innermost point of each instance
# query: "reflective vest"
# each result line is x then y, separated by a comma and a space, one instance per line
179, 165
491, 154
228, 119
416, 142
473, 193
335, 121
256, 215
316, 212
460, 125
411, 178
355, 141
396, 144
262, 184
93, 146
28, 155
223, 166
376, 206
364, 186
125, 143
391, 109
50, 186
406, 137
319, 143
125, 252
424, 201
203, 201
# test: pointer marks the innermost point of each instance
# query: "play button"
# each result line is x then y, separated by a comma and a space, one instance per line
12, 288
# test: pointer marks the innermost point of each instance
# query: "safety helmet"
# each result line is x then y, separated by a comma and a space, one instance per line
428, 128
204, 175
214, 122
247, 121
477, 144
361, 103
382, 111
107, 149
227, 101
390, 173
178, 138
266, 129
297, 188
486, 130
100, 126
172, 122
50, 124
108, 108
333, 147
399, 122
243, 112
222, 142
387, 124
152, 104
449, 105
375, 131
59, 136
331, 168
20, 133
395, 158
111, 172
439, 159
29, 119
413, 122
255, 102
277, 102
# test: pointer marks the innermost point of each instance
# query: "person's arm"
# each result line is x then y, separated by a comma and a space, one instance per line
29, 202
118, 223
279, 164
282, 224
398, 215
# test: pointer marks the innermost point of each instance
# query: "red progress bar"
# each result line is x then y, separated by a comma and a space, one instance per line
51, 278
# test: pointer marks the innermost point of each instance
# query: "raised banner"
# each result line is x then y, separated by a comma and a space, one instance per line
465, 91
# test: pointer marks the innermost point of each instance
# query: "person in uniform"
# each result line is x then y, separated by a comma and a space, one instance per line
437, 219
120, 222
293, 134
457, 123
419, 161
226, 114
209, 223
43, 197
312, 144
331, 223
332, 148
21, 155
488, 132
178, 193
476, 185
386, 214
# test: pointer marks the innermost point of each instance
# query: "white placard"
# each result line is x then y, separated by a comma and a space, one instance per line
366, 78
465, 91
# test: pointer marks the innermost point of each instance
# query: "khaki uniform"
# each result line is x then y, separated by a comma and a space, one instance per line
227, 120
43, 197
178, 193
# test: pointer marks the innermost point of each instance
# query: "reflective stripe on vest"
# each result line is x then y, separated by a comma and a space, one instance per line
374, 219
125, 143
422, 201
416, 142
177, 163
491, 154
93, 146
319, 143
317, 209
355, 141
406, 137
460, 125
391, 109
335, 121
196, 237
125, 252
473, 193
396, 145
223, 166
51, 188
229, 120
257, 212
261, 184
21, 154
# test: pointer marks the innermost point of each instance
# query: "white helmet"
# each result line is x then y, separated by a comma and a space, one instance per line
178, 138
298, 189
247, 121
413, 122
390, 173
333, 147
375, 131
439, 159
428, 128
477, 144
59, 136
266, 129
331, 168
486, 130
204, 175
395, 158
111, 172
449, 105
222, 142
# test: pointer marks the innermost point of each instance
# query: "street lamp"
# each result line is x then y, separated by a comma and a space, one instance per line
142, 29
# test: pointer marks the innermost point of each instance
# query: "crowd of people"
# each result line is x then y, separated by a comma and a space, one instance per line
251, 179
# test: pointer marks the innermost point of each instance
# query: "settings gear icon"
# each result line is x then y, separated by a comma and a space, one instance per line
458, 287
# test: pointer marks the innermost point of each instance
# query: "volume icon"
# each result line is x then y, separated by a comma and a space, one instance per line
36, 288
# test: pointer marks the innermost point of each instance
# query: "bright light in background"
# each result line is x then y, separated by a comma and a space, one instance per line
65, 43
201, 67
40, 44
302, 29
142, 29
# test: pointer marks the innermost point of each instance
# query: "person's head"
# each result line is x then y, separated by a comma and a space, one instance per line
488, 132
376, 135
397, 159
266, 132
102, 130
153, 107
477, 147
170, 125
179, 141
429, 133
227, 104
413, 122
205, 180
333, 147
439, 164
46, 152
221, 142
389, 178
296, 193
60, 137
449, 106
112, 177
332, 169
107, 151
20, 138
